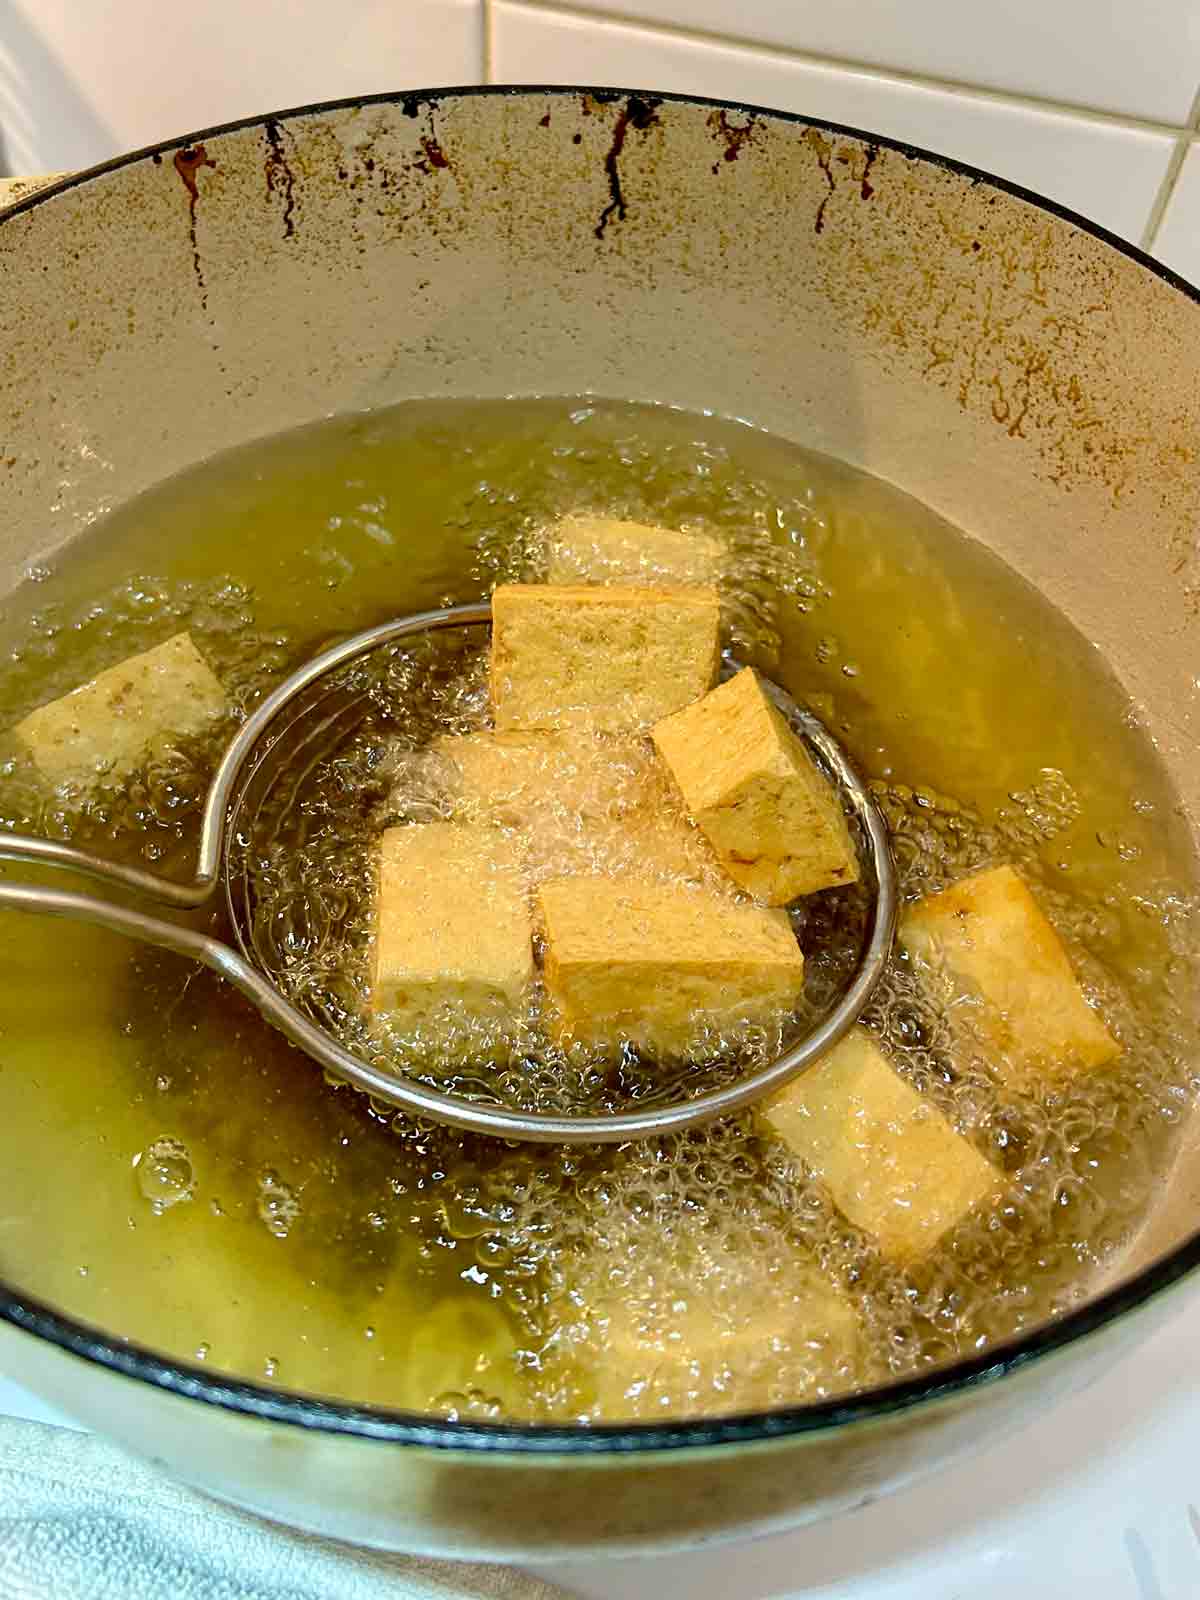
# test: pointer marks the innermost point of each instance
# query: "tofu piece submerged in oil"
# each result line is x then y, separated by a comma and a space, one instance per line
890, 1160
585, 549
103, 730
1011, 977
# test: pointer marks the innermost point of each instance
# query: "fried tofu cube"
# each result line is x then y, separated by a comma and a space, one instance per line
648, 845
453, 932
698, 1352
771, 816
890, 1161
605, 550
584, 804
608, 659
515, 779
992, 939
102, 731
654, 963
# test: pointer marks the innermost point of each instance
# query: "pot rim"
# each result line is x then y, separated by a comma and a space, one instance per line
385, 1425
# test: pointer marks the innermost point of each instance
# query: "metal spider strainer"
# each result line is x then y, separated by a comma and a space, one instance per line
287, 725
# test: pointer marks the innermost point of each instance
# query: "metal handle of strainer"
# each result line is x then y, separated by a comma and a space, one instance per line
405, 1093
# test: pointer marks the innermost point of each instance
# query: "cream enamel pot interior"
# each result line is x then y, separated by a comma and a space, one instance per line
1027, 375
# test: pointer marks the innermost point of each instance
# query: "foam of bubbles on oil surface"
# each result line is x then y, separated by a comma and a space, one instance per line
707, 1272
705, 1263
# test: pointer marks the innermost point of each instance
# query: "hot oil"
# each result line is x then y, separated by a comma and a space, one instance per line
175, 1173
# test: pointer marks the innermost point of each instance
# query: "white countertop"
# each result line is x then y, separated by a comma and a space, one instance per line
1100, 1498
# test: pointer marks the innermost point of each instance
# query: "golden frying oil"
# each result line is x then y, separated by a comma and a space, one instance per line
173, 1172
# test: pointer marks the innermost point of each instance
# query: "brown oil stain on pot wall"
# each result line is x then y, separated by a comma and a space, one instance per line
866, 188
389, 174
397, 180
1016, 315
279, 175
732, 135
641, 113
435, 157
946, 279
434, 154
823, 150
188, 162
860, 159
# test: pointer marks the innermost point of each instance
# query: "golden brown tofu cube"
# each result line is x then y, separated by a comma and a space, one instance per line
655, 963
584, 804
103, 730
453, 933
773, 819
891, 1162
609, 659
698, 1353
605, 550
648, 845
516, 779
992, 939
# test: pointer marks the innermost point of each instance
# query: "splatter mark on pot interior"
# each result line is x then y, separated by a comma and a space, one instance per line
823, 151
188, 162
279, 175
640, 112
866, 187
435, 156
732, 135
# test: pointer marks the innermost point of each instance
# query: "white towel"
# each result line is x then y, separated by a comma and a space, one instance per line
79, 1520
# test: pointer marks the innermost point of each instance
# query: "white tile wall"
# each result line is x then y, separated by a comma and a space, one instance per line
1138, 56
1094, 102
1178, 239
82, 80
1110, 172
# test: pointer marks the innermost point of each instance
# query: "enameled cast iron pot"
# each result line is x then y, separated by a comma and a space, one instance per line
1021, 371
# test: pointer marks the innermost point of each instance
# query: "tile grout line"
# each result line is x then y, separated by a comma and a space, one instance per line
1170, 179
868, 69
487, 17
